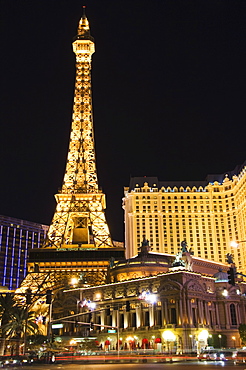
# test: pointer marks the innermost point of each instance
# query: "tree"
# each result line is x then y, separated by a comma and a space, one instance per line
7, 304
242, 333
21, 323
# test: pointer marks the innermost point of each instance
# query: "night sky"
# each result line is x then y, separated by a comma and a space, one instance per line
169, 93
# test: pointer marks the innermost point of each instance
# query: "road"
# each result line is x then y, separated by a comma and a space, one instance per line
141, 366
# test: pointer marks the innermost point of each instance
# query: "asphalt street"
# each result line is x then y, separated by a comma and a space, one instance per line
137, 366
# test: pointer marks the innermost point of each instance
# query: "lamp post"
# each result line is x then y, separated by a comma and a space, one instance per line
234, 341
150, 298
235, 244
219, 336
169, 337
191, 342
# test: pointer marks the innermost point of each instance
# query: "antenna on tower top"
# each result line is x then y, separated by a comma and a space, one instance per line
83, 9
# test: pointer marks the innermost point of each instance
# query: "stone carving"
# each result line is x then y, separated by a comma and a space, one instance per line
229, 258
184, 246
178, 260
145, 248
194, 287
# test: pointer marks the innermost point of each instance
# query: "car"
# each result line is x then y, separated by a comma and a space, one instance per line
217, 355
240, 357
9, 361
226, 355
208, 355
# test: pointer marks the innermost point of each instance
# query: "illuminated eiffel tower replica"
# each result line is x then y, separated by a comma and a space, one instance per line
78, 242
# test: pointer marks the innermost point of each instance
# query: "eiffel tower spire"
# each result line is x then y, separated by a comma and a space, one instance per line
79, 218
80, 175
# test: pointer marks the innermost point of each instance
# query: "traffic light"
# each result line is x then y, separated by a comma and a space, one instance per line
28, 296
92, 325
108, 311
48, 296
128, 307
90, 316
231, 276
44, 320
76, 324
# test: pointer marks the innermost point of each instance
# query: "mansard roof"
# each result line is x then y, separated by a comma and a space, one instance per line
154, 181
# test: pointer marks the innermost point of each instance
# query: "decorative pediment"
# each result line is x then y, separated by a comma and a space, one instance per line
194, 286
169, 287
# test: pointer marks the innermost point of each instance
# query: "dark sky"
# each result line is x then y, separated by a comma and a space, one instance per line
169, 93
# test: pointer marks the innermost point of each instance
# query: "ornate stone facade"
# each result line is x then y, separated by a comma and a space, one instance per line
177, 308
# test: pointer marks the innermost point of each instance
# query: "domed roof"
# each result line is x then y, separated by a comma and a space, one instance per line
221, 276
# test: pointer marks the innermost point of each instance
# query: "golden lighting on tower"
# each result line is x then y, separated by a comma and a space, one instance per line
79, 220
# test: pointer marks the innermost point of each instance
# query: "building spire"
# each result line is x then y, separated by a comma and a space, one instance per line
84, 27
79, 218
83, 10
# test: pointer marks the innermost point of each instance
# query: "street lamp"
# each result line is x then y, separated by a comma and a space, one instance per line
74, 281
219, 336
234, 340
169, 337
202, 339
225, 293
191, 342
235, 244
150, 298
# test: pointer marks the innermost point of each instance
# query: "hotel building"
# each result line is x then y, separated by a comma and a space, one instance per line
17, 238
208, 215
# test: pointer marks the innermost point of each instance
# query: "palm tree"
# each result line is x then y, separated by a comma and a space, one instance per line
21, 323
7, 304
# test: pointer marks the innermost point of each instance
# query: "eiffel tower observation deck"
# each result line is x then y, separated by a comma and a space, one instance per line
78, 239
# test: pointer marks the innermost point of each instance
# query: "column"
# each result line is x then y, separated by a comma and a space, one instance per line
217, 314
178, 313
190, 318
200, 312
163, 317
166, 312
102, 318
227, 316
114, 318
185, 314
126, 320
138, 316
181, 312
206, 313
151, 315
238, 314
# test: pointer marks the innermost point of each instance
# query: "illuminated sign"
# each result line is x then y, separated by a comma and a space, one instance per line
57, 326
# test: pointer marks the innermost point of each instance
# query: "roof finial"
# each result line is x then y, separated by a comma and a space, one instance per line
84, 28
84, 10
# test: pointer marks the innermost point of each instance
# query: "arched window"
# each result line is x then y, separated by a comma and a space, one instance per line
173, 316
233, 314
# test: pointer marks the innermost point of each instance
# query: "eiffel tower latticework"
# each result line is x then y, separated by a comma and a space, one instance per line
79, 218
78, 244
